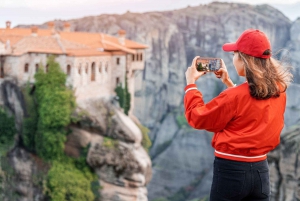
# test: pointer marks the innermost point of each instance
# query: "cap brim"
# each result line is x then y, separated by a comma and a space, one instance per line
229, 47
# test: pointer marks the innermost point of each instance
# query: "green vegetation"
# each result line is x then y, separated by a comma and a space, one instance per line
30, 120
7, 131
146, 142
44, 132
110, 143
66, 182
124, 96
7, 181
55, 104
181, 121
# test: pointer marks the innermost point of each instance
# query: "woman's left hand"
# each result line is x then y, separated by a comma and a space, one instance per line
192, 74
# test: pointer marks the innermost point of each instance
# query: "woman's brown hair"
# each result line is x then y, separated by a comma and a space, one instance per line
266, 77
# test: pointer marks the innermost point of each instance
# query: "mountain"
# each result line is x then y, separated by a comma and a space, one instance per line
182, 157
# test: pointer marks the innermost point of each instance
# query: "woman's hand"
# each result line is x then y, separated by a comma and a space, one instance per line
192, 74
222, 74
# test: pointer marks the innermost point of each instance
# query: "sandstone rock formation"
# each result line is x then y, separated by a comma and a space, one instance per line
115, 151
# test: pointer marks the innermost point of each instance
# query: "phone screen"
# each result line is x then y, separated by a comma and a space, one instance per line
208, 64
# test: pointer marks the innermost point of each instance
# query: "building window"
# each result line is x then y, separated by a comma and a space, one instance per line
133, 57
93, 72
87, 68
37, 66
68, 70
141, 56
47, 68
26, 68
117, 81
100, 67
118, 61
137, 57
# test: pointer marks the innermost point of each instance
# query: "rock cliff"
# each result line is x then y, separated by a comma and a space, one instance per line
182, 157
115, 151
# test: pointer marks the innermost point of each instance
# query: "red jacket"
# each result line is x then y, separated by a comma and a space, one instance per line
245, 129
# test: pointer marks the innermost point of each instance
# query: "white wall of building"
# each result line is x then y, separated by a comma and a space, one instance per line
2, 48
86, 85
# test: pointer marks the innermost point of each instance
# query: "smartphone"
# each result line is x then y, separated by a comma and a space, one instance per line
208, 64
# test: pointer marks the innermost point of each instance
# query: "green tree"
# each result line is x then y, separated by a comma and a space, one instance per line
66, 182
55, 103
7, 130
30, 120
124, 96
127, 97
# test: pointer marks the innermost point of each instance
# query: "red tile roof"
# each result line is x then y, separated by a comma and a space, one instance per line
70, 43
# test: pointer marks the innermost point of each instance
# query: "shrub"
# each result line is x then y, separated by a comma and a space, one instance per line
124, 96
110, 143
55, 104
66, 182
146, 142
7, 130
30, 121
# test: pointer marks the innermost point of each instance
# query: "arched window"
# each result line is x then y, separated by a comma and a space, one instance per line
133, 57
100, 67
93, 72
87, 68
137, 57
141, 56
37, 66
68, 70
118, 61
117, 81
26, 68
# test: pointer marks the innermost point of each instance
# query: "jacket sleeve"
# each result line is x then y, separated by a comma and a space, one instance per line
213, 116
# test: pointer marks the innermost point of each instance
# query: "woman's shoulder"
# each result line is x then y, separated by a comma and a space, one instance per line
239, 89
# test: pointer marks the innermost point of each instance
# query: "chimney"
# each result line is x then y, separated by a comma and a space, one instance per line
51, 26
8, 23
122, 36
34, 30
67, 27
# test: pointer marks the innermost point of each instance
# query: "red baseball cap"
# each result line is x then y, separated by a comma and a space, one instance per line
252, 42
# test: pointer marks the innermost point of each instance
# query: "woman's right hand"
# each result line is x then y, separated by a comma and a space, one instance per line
222, 74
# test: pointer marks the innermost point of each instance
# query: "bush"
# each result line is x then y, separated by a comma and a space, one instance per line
146, 142
66, 182
124, 96
110, 143
7, 130
55, 104
30, 121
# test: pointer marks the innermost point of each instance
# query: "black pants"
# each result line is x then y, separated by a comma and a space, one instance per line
240, 181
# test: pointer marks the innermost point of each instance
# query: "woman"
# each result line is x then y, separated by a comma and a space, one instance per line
246, 119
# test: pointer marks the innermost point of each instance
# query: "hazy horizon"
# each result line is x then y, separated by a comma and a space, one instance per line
37, 12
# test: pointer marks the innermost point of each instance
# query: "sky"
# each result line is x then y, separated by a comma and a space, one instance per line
40, 11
